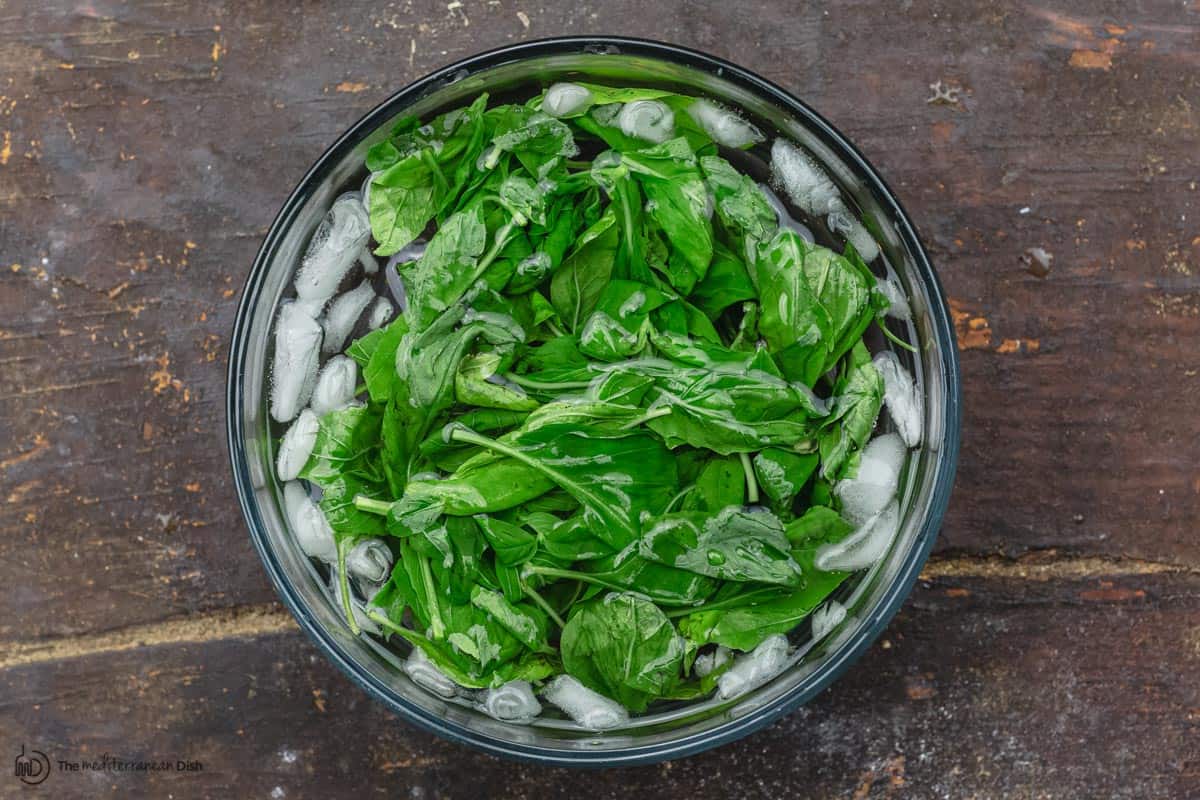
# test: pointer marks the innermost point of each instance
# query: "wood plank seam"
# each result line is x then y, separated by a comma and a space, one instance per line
266, 620
1046, 567
243, 622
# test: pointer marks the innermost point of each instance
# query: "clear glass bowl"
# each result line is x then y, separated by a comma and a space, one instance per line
871, 598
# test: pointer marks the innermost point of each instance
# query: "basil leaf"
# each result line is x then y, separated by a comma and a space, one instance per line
577, 285
526, 622
735, 544
848, 427
623, 647
512, 545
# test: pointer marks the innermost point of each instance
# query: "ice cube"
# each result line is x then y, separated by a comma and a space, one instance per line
512, 702
904, 402
312, 308
865, 546
705, 663
882, 460
815, 193
369, 264
647, 119
826, 618
365, 623
753, 669
855, 233
424, 673
804, 181
589, 709
335, 386
296, 446
724, 126
365, 192
294, 368
333, 249
309, 525
565, 99
381, 313
865, 495
342, 314
369, 563
899, 307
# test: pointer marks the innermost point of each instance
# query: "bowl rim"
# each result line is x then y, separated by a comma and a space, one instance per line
943, 335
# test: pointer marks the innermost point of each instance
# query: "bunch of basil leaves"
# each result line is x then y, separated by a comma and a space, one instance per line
603, 434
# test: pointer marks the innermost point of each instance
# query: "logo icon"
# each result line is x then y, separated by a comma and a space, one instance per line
32, 769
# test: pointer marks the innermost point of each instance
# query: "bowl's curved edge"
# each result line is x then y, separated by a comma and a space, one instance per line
887, 606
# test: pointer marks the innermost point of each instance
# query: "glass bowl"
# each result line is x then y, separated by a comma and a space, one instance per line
871, 598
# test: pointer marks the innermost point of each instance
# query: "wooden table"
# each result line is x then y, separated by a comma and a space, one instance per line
1052, 648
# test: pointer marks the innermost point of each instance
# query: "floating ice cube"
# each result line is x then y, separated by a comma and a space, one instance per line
381, 312
424, 673
364, 192
898, 308
512, 702
882, 460
724, 126
565, 99
647, 119
855, 233
335, 386
904, 402
343, 313
294, 368
865, 495
753, 669
865, 546
589, 709
365, 623
333, 249
296, 446
785, 220
815, 193
312, 308
804, 181
369, 264
309, 525
826, 618
369, 562
705, 663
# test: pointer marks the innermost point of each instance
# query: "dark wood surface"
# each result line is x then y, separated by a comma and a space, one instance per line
1053, 646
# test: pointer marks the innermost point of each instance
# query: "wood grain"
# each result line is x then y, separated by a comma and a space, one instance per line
144, 149
1063, 689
